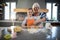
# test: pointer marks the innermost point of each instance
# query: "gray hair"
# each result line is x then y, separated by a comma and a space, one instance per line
35, 5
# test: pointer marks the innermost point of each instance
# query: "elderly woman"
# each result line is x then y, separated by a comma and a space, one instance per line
39, 16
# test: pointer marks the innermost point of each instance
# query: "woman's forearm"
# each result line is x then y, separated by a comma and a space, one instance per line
40, 20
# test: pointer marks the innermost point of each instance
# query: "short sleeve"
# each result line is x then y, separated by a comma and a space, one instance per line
42, 15
24, 22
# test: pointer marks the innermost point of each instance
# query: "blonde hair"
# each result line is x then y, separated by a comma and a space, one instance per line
35, 5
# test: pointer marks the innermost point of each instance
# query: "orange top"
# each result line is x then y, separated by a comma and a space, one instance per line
30, 22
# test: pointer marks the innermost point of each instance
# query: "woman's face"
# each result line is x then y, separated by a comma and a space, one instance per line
36, 9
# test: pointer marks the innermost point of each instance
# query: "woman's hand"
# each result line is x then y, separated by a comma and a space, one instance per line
37, 21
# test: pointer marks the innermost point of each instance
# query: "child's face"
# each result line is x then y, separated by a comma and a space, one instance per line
30, 12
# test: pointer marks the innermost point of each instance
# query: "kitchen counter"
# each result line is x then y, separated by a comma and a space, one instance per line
25, 35
8, 23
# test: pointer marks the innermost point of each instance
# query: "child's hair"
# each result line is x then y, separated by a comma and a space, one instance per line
30, 9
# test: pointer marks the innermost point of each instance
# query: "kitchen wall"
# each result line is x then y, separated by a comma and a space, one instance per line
29, 3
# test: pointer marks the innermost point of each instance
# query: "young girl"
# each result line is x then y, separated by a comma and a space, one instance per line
29, 20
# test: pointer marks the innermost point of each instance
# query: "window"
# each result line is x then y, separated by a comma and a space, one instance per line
9, 10
49, 8
52, 13
13, 14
